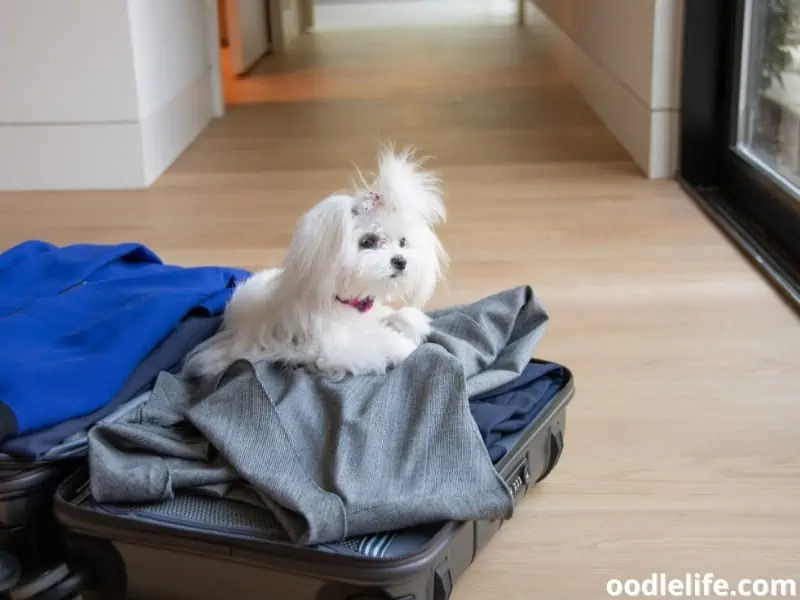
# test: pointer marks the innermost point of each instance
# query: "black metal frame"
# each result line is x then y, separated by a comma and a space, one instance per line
758, 214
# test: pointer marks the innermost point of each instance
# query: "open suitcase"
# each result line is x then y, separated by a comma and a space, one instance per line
199, 547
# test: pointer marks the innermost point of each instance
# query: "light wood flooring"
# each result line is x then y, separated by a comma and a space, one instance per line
682, 450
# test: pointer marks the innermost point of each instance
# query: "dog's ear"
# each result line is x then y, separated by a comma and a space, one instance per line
321, 248
429, 269
405, 187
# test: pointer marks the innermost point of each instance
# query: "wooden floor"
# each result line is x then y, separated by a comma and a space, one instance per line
682, 450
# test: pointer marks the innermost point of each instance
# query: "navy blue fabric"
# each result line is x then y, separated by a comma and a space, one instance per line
76, 321
168, 356
511, 407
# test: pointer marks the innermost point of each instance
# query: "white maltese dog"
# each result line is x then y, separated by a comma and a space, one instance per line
351, 256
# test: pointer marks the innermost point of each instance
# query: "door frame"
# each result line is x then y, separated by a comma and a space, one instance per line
305, 9
275, 34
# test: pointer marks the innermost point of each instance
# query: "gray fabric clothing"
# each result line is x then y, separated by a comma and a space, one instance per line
334, 459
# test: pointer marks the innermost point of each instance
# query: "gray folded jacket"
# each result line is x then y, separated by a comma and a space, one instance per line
330, 459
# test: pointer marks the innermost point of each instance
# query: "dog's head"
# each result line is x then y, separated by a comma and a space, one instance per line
377, 242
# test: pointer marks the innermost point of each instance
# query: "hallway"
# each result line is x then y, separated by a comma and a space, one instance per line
681, 451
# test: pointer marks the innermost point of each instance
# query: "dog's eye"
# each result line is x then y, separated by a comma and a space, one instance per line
368, 241
402, 242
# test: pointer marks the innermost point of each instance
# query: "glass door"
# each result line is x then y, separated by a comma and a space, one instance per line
740, 126
767, 131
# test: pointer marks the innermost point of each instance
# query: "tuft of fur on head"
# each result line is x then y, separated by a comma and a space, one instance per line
377, 242
406, 187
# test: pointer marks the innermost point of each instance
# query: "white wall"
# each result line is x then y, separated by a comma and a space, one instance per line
624, 57
171, 63
100, 93
168, 49
291, 20
65, 61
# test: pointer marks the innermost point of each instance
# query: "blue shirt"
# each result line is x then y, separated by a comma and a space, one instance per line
76, 321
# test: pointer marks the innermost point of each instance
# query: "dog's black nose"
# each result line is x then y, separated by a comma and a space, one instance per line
398, 262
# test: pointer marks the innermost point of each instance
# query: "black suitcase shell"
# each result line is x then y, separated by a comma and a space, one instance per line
133, 553
28, 529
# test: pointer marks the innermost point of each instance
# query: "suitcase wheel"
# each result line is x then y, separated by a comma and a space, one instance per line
65, 589
556, 448
101, 566
39, 581
10, 571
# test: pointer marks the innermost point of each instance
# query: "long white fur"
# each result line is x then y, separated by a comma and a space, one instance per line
291, 315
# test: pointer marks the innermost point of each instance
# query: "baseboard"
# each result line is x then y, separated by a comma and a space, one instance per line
167, 132
649, 136
67, 156
664, 140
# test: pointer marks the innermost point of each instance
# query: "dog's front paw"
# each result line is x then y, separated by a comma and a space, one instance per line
411, 322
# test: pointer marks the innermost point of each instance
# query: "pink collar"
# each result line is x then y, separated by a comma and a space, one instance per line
360, 304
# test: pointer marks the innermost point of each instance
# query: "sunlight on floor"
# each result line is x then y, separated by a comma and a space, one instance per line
335, 15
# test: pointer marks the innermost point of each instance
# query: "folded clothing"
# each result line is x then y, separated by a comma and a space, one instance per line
76, 321
511, 407
334, 459
168, 356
